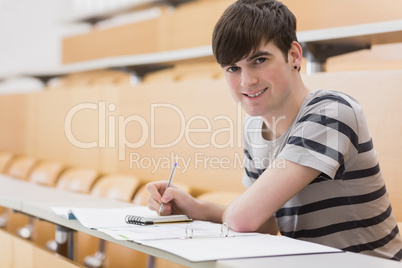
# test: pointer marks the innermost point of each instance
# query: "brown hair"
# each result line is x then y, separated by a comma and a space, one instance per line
247, 24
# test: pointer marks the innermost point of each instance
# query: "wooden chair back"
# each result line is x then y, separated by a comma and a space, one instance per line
21, 167
115, 186
5, 160
78, 179
46, 173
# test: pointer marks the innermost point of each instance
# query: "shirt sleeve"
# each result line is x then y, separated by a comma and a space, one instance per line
324, 135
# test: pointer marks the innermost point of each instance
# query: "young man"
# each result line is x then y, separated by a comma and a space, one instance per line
311, 169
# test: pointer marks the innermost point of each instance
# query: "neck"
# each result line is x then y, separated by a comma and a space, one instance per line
277, 122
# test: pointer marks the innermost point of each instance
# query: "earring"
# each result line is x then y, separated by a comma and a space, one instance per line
295, 67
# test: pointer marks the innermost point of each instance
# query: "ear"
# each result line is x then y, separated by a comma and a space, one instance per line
295, 55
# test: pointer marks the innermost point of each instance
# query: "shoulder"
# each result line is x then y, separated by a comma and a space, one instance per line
332, 104
329, 97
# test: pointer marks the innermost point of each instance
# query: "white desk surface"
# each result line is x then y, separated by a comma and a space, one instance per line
334, 260
37, 201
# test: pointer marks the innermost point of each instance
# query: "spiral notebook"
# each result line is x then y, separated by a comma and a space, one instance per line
140, 220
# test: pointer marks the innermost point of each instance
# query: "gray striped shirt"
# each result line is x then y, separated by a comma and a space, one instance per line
347, 206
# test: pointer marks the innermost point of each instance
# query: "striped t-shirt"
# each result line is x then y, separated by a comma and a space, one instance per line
347, 206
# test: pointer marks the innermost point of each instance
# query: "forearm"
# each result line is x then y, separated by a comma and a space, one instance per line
207, 211
256, 206
269, 227
234, 217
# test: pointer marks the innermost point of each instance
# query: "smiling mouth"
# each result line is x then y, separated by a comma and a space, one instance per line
256, 94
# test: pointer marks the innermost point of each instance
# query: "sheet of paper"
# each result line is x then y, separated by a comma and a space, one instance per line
139, 234
196, 241
96, 218
201, 249
112, 222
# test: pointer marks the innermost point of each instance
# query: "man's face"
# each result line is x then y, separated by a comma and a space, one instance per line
261, 81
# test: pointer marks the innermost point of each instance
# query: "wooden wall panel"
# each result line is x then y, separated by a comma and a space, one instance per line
60, 122
84, 148
320, 14
190, 24
163, 118
13, 119
379, 57
135, 38
44, 124
109, 156
20, 253
5, 249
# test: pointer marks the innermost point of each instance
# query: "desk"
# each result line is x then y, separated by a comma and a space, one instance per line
319, 45
37, 201
346, 259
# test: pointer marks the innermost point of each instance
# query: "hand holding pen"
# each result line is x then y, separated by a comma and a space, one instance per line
168, 185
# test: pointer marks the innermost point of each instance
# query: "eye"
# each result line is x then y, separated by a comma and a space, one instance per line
260, 60
232, 69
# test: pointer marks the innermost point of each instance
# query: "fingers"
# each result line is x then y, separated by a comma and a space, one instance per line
167, 209
153, 188
173, 198
154, 199
168, 195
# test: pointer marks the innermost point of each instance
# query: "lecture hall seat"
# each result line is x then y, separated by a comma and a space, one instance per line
5, 161
46, 173
78, 179
21, 167
118, 187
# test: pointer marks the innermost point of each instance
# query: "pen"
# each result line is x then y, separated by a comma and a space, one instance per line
168, 185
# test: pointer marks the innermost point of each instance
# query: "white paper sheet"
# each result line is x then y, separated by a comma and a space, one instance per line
96, 218
197, 229
201, 249
196, 241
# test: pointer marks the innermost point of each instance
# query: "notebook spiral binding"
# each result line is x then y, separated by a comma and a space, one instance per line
134, 219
